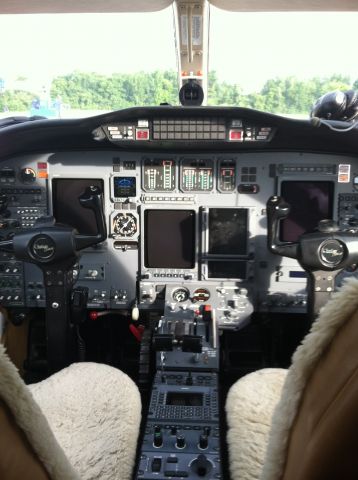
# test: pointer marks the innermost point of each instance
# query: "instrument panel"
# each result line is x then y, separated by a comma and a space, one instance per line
194, 224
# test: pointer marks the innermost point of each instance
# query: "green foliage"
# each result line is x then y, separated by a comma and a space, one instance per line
292, 96
84, 90
15, 100
94, 91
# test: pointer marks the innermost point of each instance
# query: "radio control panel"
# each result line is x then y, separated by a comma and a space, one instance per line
182, 434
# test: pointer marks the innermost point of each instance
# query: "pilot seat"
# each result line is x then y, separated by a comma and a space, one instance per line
80, 423
302, 424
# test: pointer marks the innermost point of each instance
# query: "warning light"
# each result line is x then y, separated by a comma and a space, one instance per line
41, 165
236, 135
142, 134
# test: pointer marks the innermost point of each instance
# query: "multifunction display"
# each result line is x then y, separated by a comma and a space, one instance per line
170, 239
228, 231
310, 202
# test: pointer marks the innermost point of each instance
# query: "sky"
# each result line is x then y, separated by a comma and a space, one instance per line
245, 48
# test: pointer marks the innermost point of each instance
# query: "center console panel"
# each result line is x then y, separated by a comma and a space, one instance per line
181, 438
182, 432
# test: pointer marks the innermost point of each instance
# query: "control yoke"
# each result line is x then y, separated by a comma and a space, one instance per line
323, 253
278, 209
49, 243
54, 248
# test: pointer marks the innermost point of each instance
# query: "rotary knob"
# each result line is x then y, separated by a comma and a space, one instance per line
180, 442
158, 439
201, 466
203, 442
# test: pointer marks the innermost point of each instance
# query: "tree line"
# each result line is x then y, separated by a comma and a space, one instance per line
84, 90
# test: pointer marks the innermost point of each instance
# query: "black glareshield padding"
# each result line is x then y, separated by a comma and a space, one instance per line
337, 106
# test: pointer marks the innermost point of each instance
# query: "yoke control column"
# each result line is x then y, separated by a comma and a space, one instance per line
323, 253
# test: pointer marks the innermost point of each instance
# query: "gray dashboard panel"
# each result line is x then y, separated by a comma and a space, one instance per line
115, 271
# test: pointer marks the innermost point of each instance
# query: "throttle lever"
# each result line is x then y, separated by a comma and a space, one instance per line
277, 209
92, 198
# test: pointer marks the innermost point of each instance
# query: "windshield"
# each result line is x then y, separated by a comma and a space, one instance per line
77, 65
281, 62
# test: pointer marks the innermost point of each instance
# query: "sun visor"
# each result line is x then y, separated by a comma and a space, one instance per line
82, 6
285, 6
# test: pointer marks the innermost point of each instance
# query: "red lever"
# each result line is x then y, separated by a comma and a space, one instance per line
137, 331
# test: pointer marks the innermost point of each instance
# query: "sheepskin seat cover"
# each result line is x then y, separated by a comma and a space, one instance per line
94, 411
249, 407
257, 451
30, 419
82, 422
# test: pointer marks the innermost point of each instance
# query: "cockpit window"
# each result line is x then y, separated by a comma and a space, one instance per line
280, 62
78, 65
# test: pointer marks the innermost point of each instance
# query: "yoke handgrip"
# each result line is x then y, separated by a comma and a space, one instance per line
92, 198
277, 209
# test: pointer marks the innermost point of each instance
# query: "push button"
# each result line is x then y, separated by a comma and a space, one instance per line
172, 460
156, 464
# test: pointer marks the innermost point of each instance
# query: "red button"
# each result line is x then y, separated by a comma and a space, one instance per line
235, 135
142, 134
